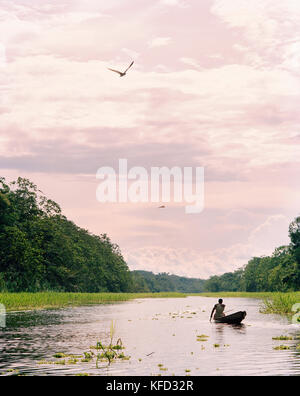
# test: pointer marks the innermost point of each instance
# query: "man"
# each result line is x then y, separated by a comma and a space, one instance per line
219, 308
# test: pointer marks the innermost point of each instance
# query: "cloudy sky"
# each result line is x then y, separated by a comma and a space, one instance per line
215, 84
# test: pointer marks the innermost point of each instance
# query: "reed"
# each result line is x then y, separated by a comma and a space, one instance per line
52, 300
280, 303
272, 302
257, 295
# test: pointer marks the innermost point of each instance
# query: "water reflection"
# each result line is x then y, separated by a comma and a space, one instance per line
159, 331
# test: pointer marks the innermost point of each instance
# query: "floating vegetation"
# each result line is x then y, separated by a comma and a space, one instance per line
44, 362
281, 347
60, 355
73, 361
12, 371
48, 362
282, 338
105, 353
88, 356
202, 337
62, 362
111, 352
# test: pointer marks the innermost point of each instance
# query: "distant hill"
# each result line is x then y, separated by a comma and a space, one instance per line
145, 281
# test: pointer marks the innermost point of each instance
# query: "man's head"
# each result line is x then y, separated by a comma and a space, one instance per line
220, 301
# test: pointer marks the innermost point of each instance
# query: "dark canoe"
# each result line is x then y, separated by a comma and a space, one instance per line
235, 318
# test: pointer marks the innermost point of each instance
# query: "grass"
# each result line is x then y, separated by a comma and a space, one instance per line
258, 295
281, 303
52, 300
278, 303
272, 303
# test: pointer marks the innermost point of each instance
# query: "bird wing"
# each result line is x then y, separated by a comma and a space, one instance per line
116, 71
129, 66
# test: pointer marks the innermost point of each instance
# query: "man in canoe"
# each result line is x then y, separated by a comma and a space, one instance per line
219, 308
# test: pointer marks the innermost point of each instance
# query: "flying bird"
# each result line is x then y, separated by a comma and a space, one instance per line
122, 74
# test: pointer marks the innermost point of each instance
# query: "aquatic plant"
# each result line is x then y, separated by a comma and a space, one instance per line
281, 347
110, 352
72, 361
59, 355
282, 338
280, 303
202, 337
105, 353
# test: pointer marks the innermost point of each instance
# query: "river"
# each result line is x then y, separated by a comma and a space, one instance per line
160, 336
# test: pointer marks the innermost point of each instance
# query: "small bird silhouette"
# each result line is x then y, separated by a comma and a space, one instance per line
162, 207
122, 74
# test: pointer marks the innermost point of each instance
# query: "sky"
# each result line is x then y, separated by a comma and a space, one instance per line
215, 84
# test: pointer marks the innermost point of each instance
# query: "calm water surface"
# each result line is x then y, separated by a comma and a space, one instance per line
164, 329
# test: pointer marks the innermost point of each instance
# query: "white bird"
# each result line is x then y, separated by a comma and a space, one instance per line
122, 74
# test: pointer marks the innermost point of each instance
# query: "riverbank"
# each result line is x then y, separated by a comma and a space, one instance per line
272, 303
52, 300
278, 303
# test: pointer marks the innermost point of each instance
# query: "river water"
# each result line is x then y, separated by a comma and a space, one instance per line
160, 336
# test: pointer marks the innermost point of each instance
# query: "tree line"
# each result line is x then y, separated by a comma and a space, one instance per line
41, 250
145, 281
279, 272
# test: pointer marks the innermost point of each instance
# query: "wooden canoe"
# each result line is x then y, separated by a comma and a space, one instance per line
235, 318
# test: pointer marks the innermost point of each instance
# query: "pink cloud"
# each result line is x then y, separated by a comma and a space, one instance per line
214, 84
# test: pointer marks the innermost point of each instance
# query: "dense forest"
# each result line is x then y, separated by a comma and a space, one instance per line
278, 272
41, 250
145, 281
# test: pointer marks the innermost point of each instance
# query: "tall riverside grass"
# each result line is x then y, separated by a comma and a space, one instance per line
258, 295
280, 303
48, 300
272, 303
